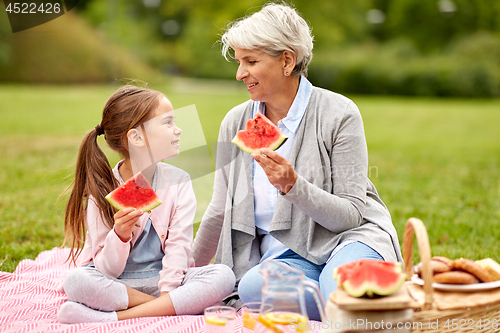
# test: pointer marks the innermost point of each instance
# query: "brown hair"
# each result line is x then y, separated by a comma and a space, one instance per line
126, 109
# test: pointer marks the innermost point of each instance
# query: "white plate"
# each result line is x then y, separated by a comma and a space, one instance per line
458, 287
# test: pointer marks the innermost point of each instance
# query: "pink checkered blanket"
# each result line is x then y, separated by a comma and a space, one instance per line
29, 301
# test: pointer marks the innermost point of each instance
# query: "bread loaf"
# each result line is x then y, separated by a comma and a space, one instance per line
445, 260
455, 277
491, 266
436, 267
471, 267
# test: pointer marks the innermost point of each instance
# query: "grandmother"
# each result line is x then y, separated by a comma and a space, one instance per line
309, 204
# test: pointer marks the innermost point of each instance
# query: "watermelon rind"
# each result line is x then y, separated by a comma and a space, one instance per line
145, 208
371, 289
238, 141
243, 147
142, 182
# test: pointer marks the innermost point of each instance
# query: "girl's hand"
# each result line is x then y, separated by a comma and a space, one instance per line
125, 221
277, 168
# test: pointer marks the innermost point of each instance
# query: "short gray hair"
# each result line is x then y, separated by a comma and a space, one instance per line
273, 29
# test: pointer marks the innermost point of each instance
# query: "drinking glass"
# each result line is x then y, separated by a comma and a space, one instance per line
251, 312
220, 319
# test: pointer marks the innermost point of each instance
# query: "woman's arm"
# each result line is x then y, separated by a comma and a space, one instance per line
342, 208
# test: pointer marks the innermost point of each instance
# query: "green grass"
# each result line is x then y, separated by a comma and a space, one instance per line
436, 159
439, 160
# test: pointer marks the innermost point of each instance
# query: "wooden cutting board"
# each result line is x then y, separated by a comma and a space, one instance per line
399, 300
345, 321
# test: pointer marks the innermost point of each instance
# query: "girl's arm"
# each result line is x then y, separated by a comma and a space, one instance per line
108, 252
207, 237
125, 222
179, 238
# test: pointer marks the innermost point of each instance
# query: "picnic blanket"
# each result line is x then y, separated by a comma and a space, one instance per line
29, 301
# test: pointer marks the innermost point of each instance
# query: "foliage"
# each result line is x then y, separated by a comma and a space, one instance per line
4, 46
436, 159
418, 48
432, 25
411, 47
470, 67
64, 50
195, 50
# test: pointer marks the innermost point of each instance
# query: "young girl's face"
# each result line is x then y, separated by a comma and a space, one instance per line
162, 133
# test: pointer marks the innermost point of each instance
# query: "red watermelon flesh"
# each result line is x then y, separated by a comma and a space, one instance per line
372, 277
260, 133
135, 192
341, 273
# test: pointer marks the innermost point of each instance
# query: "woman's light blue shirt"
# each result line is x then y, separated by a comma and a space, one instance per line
265, 194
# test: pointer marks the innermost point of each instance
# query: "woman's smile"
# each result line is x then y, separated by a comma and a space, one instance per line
250, 85
261, 73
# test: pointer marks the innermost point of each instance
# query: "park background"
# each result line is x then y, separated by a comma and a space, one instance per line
424, 73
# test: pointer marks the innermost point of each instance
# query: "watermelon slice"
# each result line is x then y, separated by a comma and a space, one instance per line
135, 192
341, 273
370, 277
260, 133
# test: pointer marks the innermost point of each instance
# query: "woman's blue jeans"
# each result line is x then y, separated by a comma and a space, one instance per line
250, 286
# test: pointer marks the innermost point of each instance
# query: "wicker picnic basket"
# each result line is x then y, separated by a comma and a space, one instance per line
471, 311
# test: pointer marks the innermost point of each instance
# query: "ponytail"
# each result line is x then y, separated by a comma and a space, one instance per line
125, 109
93, 178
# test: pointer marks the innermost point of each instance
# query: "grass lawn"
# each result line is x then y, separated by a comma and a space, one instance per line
436, 159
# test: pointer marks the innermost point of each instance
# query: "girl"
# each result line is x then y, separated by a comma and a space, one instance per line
135, 264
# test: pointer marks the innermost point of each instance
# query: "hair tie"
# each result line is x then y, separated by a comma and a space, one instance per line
99, 130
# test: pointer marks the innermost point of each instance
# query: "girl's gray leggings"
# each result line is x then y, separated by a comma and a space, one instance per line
201, 287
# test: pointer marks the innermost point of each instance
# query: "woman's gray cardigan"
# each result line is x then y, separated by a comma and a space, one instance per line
332, 200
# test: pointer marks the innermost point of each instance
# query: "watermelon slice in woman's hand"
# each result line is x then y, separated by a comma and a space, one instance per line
260, 133
135, 192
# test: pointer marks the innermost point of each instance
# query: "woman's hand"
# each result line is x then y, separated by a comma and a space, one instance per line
125, 221
277, 168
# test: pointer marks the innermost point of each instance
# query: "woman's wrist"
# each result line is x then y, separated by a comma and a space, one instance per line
290, 185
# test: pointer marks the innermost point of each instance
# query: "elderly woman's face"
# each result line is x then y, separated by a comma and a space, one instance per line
263, 74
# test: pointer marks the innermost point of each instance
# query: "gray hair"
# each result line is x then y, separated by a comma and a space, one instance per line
273, 29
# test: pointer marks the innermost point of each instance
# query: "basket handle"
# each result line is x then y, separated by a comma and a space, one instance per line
414, 225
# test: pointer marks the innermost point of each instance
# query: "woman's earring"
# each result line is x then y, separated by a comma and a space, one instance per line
286, 73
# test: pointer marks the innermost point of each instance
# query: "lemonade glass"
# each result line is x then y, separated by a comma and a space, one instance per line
220, 319
250, 317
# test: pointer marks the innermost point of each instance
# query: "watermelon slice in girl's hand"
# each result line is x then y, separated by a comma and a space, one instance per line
260, 133
135, 192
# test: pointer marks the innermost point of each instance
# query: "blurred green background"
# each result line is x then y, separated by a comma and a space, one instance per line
424, 73
404, 47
